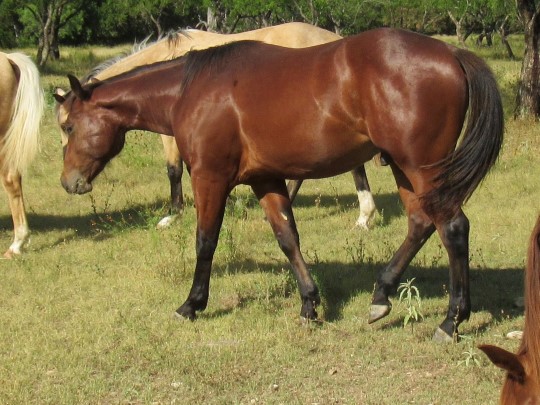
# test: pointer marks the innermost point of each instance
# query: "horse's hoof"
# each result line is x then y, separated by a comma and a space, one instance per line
177, 317
182, 315
440, 336
377, 312
166, 222
309, 321
10, 254
362, 223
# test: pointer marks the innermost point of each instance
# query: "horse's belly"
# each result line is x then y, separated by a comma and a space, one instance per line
307, 158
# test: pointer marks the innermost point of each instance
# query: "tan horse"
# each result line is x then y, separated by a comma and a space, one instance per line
522, 382
292, 35
21, 108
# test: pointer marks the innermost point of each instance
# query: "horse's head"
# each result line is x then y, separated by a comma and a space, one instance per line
91, 135
521, 385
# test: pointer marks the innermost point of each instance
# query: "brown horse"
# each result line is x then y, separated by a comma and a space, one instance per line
256, 114
522, 382
291, 35
21, 108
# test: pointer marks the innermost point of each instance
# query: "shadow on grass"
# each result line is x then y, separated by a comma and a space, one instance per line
388, 203
99, 225
492, 290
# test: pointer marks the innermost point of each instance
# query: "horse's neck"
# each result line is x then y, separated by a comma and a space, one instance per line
139, 101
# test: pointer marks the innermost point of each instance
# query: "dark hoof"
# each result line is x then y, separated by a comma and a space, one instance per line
306, 322
180, 318
377, 312
185, 314
441, 336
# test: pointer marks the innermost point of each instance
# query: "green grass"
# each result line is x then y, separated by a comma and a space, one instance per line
87, 310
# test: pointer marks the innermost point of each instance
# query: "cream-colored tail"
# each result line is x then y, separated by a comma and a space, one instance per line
21, 141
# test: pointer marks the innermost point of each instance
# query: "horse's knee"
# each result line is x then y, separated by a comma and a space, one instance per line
205, 248
455, 232
175, 171
288, 241
420, 226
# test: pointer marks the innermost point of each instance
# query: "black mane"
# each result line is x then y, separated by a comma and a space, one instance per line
212, 59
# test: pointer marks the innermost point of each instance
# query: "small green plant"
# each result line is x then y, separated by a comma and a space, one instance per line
409, 297
355, 250
470, 355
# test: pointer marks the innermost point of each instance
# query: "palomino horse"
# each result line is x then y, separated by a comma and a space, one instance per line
257, 114
21, 108
292, 35
522, 382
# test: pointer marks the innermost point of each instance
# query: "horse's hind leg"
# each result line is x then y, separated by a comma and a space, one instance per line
420, 228
274, 200
174, 173
365, 198
454, 234
11, 181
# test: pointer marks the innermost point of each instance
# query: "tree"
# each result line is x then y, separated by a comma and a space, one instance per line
48, 17
8, 22
528, 97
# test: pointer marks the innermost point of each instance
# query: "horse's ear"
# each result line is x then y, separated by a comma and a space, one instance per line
77, 88
505, 360
59, 95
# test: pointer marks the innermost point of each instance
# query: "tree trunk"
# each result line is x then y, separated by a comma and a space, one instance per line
460, 30
528, 97
504, 38
47, 33
211, 20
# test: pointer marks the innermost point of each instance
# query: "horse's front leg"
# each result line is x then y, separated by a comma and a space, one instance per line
12, 183
210, 198
274, 199
174, 173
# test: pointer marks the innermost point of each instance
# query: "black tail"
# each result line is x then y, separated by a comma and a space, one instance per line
463, 170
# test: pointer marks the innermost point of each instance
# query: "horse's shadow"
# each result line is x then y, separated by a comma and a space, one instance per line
388, 204
340, 283
98, 226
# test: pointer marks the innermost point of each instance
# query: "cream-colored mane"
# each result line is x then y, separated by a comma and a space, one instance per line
292, 35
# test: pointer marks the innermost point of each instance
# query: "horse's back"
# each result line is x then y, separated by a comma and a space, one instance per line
292, 35
373, 85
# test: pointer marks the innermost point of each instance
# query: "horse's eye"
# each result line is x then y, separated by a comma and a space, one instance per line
68, 129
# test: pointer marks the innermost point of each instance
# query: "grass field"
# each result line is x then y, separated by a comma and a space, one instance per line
86, 312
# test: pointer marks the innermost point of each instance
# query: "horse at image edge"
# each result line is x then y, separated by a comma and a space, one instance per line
522, 381
21, 109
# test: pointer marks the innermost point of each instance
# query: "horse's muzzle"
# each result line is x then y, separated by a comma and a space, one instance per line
75, 184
